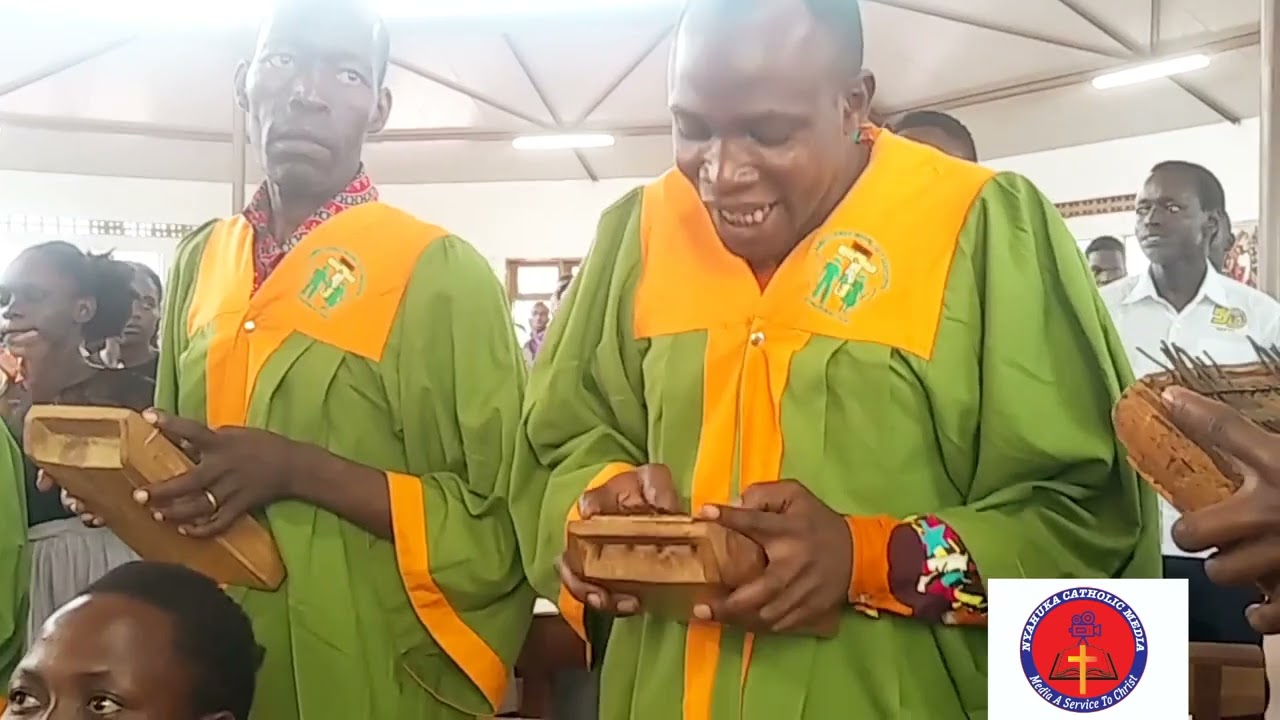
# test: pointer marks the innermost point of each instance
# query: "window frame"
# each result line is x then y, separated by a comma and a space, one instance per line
564, 266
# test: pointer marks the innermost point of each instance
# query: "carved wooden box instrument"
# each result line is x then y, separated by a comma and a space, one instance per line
668, 562
101, 455
1188, 476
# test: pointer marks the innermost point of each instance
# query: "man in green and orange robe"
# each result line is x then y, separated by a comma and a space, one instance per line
349, 375
933, 413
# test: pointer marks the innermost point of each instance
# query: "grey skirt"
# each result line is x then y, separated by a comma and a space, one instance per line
65, 557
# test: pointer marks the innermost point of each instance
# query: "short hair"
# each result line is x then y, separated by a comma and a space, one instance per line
107, 281
944, 123
1213, 199
210, 631
151, 276
562, 285
1104, 243
842, 18
381, 51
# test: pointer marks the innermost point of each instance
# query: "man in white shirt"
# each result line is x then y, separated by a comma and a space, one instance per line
1183, 301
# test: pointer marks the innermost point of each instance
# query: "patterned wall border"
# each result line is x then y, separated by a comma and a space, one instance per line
69, 227
1097, 206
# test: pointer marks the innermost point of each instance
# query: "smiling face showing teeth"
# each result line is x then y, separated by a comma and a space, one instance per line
748, 217
764, 103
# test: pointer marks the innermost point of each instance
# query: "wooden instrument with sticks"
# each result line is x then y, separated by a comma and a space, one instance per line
1189, 476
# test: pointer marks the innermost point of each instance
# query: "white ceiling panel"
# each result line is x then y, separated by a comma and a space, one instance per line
1016, 71
1079, 114
955, 59
1049, 19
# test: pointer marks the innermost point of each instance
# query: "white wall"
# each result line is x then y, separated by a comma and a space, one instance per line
557, 219
1119, 167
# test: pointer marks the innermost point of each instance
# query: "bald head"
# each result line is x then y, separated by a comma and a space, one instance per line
839, 21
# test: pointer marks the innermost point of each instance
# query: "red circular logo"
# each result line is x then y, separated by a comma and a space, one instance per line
1083, 650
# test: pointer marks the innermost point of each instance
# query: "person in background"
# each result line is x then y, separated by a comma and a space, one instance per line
939, 130
140, 342
1181, 300
349, 374
791, 302
147, 641
136, 348
56, 298
14, 560
539, 318
1106, 258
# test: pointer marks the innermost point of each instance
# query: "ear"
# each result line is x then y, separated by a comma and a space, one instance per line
85, 309
857, 111
241, 80
1213, 225
381, 111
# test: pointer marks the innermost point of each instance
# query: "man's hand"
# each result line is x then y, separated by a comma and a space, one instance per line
238, 470
810, 559
647, 490
1246, 526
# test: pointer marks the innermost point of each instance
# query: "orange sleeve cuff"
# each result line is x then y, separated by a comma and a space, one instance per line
413, 558
869, 580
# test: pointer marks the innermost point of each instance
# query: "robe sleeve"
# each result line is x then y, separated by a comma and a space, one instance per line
173, 320
15, 573
1048, 492
456, 377
584, 419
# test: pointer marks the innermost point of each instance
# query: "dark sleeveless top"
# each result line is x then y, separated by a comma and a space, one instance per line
105, 388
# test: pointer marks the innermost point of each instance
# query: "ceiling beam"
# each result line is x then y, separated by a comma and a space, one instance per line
628, 72
546, 102
476, 95
1157, 16
48, 71
1001, 28
1138, 51
188, 134
1235, 39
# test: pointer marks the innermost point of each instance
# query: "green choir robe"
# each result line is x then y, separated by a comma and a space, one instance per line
936, 346
388, 342
15, 570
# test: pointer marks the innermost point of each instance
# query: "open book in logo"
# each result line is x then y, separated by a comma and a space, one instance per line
1081, 661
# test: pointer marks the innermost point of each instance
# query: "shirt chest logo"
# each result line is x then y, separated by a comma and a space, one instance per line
1226, 318
851, 270
335, 278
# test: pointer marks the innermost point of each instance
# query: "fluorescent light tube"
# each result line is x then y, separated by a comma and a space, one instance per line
563, 142
1151, 71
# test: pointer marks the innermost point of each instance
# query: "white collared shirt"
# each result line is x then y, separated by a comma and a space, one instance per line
1217, 323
